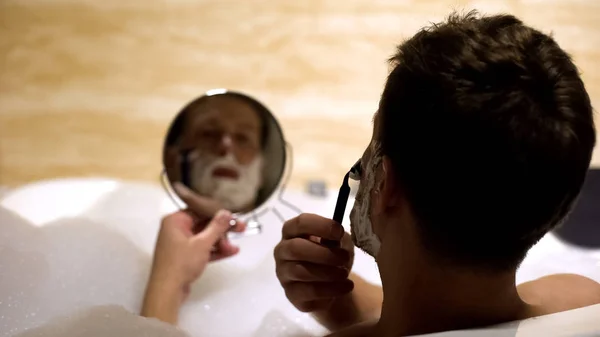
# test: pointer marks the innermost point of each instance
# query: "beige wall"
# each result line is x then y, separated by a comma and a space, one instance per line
89, 87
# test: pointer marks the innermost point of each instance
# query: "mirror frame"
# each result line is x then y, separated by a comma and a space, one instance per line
279, 133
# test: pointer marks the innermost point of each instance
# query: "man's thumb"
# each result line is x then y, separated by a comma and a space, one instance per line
217, 227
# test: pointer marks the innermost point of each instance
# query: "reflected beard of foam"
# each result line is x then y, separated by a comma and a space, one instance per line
360, 216
233, 194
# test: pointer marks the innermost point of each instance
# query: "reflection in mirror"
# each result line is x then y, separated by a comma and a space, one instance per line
227, 146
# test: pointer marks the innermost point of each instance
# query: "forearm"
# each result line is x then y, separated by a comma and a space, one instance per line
162, 301
362, 304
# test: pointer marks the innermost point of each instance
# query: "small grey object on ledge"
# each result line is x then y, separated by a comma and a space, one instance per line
316, 188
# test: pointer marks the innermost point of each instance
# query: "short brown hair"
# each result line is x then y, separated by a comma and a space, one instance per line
490, 129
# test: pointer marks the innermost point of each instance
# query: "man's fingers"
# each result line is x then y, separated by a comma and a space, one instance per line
224, 249
299, 249
346, 242
312, 224
309, 272
181, 220
202, 206
239, 226
217, 227
299, 292
311, 306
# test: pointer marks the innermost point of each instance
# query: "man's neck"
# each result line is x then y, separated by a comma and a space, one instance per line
420, 298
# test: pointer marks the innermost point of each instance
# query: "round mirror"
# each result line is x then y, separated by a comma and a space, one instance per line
227, 146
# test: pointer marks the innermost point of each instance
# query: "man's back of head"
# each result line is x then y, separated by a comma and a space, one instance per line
490, 131
481, 144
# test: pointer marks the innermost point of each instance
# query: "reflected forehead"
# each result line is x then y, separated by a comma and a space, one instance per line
229, 110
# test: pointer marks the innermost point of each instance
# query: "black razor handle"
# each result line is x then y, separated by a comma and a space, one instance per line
340, 209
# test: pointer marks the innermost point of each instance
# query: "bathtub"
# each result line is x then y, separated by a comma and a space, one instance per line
73, 244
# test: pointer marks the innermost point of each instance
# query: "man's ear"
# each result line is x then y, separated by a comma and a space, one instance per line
388, 186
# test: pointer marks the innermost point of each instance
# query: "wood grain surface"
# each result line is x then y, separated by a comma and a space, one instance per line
88, 88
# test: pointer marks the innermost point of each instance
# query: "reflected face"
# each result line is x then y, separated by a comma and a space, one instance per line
225, 135
361, 226
223, 125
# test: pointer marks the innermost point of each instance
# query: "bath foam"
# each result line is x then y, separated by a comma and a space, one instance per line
62, 268
104, 321
67, 266
102, 257
276, 324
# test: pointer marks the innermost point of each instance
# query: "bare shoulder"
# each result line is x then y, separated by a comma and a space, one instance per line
560, 292
364, 329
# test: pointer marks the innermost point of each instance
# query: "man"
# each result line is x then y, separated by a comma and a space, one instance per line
480, 146
221, 139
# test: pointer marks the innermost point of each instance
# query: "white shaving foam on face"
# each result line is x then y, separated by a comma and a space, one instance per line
233, 194
360, 217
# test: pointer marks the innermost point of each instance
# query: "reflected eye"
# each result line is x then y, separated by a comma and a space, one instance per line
245, 140
242, 139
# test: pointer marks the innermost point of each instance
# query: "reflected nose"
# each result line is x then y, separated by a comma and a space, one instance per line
225, 145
